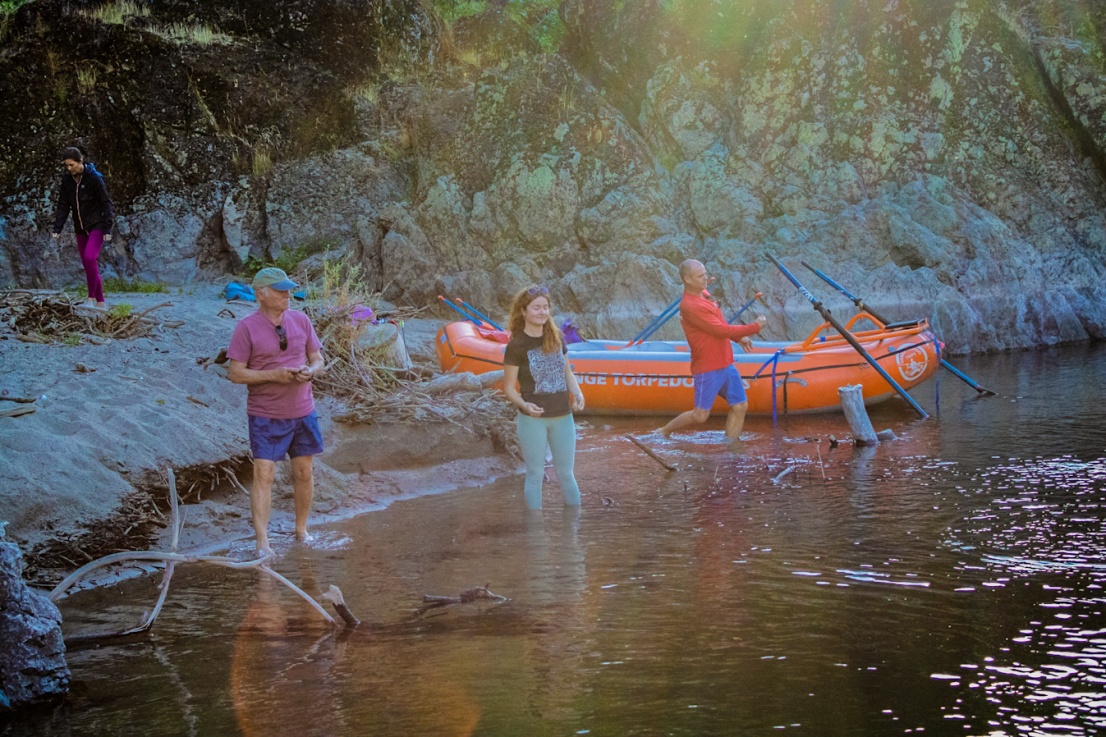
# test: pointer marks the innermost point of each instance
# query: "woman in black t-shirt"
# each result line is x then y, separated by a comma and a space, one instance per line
538, 380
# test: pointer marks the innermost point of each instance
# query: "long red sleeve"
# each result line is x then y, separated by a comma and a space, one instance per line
708, 334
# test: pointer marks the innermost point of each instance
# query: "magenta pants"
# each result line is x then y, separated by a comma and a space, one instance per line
89, 247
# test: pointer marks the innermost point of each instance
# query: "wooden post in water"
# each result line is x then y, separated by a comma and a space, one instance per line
852, 402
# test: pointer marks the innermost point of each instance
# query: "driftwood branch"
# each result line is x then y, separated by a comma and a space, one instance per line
23, 409
465, 597
649, 452
334, 596
171, 559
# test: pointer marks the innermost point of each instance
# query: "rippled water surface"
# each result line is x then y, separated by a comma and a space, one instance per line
950, 582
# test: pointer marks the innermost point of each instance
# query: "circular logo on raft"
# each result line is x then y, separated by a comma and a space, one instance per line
912, 362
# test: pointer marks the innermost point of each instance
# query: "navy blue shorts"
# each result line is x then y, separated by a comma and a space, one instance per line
272, 440
710, 384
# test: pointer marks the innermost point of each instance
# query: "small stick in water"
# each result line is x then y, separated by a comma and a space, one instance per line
334, 596
783, 473
649, 452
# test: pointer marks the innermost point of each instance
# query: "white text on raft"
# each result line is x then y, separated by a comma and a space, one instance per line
634, 380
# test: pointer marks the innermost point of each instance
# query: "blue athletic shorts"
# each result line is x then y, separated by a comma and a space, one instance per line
710, 384
272, 440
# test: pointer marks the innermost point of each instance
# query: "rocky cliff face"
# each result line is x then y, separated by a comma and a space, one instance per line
943, 159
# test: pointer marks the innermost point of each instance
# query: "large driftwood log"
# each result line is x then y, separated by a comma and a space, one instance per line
852, 402
462, 382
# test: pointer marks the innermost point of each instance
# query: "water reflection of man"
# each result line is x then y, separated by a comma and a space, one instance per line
708, 336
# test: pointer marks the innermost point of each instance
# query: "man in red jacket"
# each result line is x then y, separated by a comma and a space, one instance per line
708, 336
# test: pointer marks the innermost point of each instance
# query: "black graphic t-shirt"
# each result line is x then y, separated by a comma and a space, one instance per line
541, 375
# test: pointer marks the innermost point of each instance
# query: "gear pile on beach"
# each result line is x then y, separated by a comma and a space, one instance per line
375, 390
56, 317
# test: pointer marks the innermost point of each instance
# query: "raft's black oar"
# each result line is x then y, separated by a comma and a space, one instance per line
744, 307
825, 313
860, 305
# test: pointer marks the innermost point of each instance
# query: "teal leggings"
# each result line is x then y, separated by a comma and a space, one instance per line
535, 434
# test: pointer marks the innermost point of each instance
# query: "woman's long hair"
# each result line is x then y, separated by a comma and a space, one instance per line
551, 335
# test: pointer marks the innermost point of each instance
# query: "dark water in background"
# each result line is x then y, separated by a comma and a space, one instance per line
947, 583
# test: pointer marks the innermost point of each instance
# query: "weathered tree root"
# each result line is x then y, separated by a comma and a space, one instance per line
465, 597
172, 558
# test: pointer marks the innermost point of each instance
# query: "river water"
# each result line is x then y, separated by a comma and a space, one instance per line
947, 583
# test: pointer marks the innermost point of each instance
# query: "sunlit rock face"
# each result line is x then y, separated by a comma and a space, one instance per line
947, 158
941, 159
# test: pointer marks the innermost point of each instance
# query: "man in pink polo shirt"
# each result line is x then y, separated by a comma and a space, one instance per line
708, 337
276, 353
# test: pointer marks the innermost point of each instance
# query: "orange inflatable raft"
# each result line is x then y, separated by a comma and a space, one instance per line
654, 377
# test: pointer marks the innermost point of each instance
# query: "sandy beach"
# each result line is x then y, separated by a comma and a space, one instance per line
84, 474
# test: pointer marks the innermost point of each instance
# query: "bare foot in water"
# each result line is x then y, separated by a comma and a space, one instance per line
304, 536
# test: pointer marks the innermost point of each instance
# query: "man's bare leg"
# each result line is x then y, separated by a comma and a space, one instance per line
303, 489
261, 501
735, 420
695, 416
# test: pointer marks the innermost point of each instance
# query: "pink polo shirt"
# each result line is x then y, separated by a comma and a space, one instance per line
255, 343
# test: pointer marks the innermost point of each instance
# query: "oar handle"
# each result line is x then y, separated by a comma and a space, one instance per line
657, 322
477, 312
855, 300
745, 306
458, 310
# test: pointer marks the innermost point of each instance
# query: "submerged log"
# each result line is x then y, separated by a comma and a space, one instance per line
465, 597
852, 402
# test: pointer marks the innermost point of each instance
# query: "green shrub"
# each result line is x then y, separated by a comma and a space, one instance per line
117, 13
289, 260
120, 310
115, 284
193, 33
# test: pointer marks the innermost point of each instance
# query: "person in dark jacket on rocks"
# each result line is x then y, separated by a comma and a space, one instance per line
84, 193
